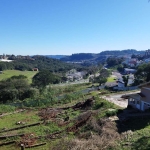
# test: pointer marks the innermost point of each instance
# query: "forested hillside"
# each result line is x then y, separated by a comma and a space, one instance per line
78, 57
40, 62
100, 57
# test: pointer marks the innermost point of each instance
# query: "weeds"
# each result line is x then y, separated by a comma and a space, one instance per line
6, 108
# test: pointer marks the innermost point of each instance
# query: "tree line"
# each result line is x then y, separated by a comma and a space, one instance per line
18, 87
40, 62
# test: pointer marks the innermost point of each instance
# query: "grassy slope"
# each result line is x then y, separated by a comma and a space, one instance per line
31, 116
140, 128
9, 73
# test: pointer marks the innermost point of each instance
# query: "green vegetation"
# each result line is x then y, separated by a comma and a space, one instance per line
106, 109
100, 57
16, 88
6, 108
142, 74
40, 62
102, 78
111, 79
91, 131
9, 73
137, 135
44, 78
114, 61
79, 119
125, 79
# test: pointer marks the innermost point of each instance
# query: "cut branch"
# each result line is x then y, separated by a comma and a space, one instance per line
25, 126
9, 136
36, 145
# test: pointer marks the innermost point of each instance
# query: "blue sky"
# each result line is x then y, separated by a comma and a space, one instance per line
73, 26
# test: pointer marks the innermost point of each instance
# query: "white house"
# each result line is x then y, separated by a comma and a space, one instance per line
141, 100
120, 83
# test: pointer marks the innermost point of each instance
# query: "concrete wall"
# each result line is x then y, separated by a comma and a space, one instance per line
125, 88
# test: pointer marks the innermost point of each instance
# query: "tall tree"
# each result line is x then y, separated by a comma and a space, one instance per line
125, 79
44, 78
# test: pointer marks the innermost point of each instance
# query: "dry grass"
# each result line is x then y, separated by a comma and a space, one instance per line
101, 135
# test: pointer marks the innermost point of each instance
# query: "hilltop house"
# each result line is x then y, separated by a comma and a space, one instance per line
35, 69
141, 100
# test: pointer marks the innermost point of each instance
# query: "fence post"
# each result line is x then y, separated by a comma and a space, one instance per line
22, 147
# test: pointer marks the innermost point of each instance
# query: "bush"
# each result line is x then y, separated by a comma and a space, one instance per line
111, 113
99, 102
72, 96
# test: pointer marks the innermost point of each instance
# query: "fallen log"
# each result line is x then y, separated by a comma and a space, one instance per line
82, 119
7, 143
36, 145
25, 126
9, 136
51, 136
49, 113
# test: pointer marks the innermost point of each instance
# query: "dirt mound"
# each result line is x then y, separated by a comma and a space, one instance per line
48, 113
81, 120
27, 140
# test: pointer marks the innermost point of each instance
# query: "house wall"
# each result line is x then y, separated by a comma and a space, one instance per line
131, 102
146, 92
141, 103
146, 106
135, 103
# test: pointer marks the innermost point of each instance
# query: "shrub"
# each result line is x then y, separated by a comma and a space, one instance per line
102, 103
111, 113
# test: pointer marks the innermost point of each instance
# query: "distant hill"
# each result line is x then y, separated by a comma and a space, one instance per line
100, 57
55, 56
78, 57
122, 52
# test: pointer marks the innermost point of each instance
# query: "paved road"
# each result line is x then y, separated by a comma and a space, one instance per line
116, 98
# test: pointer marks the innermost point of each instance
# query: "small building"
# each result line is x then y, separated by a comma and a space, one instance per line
35, 69
141, 100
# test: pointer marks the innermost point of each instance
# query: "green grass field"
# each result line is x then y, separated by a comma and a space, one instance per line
9, 73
